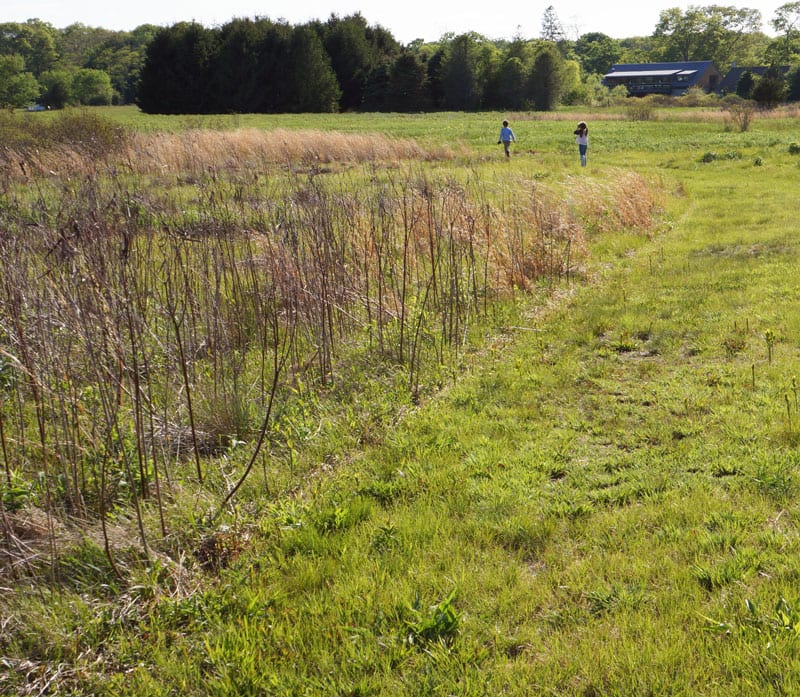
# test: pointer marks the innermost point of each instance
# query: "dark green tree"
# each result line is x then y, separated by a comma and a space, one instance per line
376, 90
506, 89
461, 74
770, 90
408, 89
56, 88
356, 50
177, 70
745, 84
435, 74
545, 82
309, 73
248, 65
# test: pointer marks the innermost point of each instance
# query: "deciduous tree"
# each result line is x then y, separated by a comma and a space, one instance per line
33, 40
597, 52
18, 87
787, 23
92, 87
56, 88
714, 32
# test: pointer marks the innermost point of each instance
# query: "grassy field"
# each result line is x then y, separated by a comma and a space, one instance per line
599, 500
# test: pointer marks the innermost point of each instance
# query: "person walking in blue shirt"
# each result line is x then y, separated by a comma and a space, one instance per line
506, 138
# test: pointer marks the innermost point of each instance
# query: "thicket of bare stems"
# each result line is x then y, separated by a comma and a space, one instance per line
141, 331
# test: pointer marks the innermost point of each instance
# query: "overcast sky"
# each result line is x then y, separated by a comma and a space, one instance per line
406, 19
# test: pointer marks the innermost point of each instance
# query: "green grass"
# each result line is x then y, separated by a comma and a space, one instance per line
605, 505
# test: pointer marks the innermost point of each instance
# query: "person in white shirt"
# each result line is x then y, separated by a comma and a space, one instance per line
506, 138
582, 139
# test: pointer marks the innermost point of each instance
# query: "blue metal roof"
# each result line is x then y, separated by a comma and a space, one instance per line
639, 67
667, 78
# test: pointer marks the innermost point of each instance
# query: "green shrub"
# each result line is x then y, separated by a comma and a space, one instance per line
641, 109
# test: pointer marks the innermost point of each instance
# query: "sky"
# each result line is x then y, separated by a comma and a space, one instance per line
405, 19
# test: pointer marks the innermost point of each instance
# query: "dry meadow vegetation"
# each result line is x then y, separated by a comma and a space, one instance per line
164, 295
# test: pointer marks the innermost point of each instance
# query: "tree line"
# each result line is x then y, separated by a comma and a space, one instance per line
345, 64
77, 65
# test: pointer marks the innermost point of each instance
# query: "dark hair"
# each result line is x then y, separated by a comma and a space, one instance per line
582, 128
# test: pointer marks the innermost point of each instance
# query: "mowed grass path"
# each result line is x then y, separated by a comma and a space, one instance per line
606, 505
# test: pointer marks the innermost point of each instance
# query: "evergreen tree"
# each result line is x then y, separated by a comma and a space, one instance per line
506, 89
346, 43
356, 52
552, 30
408, 84
435, 78
177, 71
460, 75
309, 73
770, 90
240, 81
545, 82
376, 90
745, 84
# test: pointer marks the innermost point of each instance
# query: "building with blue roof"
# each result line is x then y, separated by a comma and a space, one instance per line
663, 78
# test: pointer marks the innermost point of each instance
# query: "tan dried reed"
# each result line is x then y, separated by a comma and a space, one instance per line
253, 149
625, 201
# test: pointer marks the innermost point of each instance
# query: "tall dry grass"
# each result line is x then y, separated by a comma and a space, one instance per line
625, 200
253, 150
81, 144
